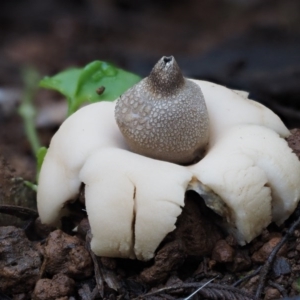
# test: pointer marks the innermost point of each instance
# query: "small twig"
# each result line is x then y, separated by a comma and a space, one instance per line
280, 288
20, 212
237, 283
211, 286
43, 267
160, 291
98, 275
266, 267
201, 287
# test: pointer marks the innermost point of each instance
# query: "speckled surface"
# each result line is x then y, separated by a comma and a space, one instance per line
164, 116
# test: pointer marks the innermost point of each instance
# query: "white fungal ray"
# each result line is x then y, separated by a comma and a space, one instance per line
281, 166
56, 186
132, 201
90, 128
256, 174
242, 186
227, 108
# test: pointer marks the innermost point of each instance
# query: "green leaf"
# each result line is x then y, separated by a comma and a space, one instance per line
80, 85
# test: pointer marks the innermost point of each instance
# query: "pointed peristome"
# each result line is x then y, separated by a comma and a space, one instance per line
165, 78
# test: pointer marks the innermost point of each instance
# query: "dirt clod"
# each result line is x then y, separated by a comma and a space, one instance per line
263, 253
59, 287
251, 285
222, 252
271, 294
294, 141
67, 255
42, 230
241, 262
170, 257
19, 261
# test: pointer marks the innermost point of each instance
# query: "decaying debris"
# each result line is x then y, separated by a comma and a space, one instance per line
19, 261
195, 235
67, 255
104, 269
268, 264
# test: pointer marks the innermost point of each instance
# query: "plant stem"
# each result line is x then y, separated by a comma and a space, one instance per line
27, 110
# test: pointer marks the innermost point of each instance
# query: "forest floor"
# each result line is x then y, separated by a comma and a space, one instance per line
252, 47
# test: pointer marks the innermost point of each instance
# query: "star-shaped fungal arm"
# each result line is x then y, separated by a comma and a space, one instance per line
132, 201
89, 129
255, 174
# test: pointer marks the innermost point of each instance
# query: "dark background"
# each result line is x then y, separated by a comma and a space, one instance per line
252, 45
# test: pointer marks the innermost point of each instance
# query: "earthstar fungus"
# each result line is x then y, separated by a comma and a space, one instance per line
248, 175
